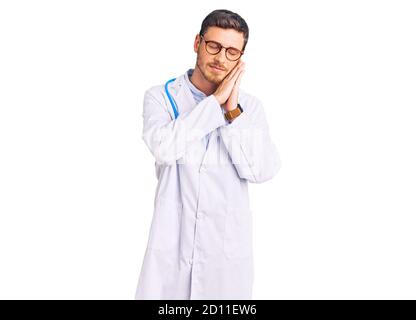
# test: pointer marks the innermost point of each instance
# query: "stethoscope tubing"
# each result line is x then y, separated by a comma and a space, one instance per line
172, 101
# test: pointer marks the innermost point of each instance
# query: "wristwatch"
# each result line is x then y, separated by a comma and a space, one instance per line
232, 114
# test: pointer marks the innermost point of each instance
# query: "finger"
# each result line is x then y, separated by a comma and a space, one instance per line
238, 73
240, 76
230, 76
238, 67
233, 72
238, 80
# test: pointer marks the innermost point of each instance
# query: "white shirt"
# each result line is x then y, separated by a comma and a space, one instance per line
197, 94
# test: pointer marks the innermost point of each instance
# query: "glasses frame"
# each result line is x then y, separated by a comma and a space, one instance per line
221, 47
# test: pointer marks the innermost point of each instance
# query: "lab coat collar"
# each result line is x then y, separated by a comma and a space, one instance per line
181, 93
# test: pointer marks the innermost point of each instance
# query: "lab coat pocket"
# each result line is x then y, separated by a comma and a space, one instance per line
238, 233
165, 229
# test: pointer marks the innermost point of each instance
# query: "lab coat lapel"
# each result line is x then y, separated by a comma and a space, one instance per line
182, 95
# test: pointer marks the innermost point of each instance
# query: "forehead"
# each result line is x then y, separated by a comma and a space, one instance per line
227, 37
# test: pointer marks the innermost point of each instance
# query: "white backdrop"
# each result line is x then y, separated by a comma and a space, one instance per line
337, 79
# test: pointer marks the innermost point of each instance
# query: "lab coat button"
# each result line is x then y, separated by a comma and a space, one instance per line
203, 168
191, 261
200, 215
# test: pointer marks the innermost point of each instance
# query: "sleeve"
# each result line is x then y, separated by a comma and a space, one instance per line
249, 145
167, 139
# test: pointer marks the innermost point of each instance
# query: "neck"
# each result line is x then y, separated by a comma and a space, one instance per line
199, 81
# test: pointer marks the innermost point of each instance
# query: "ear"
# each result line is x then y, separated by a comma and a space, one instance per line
196, 43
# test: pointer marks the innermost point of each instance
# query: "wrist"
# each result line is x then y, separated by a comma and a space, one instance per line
233, 113
230, 108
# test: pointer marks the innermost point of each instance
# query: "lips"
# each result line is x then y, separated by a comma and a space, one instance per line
217, 68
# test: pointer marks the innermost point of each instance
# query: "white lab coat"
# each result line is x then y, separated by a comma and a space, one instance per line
200, 240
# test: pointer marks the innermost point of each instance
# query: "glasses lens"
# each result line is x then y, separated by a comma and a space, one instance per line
213, 47
233, 54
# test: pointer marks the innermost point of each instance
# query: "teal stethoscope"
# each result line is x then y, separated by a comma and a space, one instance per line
172, 101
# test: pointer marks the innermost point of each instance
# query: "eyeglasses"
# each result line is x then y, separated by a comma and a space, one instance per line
213, 47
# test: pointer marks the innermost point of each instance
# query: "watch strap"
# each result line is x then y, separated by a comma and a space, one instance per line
232, 114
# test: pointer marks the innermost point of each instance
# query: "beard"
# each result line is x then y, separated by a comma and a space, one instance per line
208, 74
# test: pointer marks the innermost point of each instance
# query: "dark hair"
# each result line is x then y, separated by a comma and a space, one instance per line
225, 19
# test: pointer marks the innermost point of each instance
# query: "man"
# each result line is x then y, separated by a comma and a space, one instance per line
200, 241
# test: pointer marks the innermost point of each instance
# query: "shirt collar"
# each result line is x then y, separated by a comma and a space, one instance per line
191, 86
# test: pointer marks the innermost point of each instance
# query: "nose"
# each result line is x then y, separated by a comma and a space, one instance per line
220, 56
